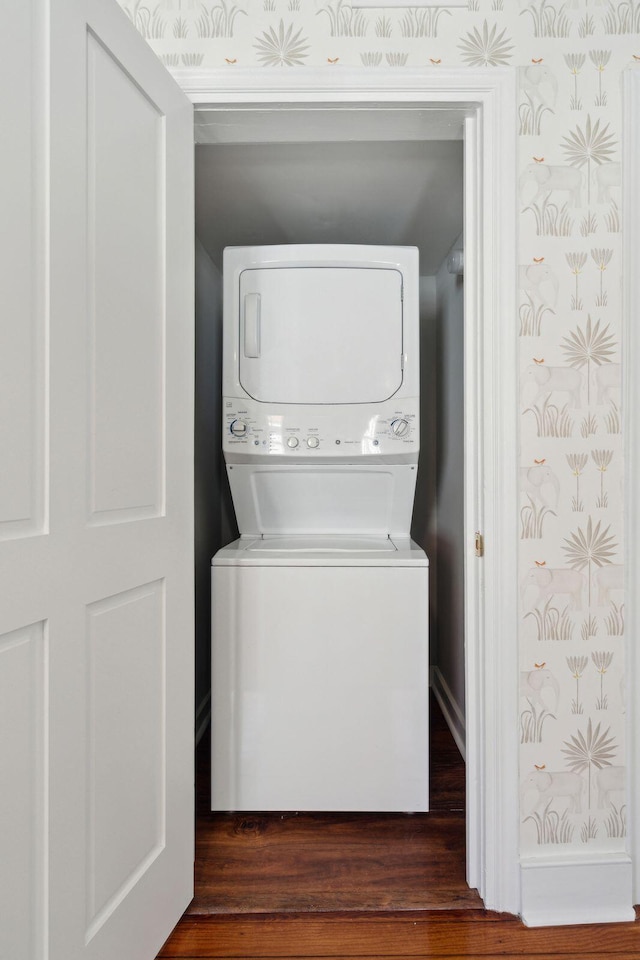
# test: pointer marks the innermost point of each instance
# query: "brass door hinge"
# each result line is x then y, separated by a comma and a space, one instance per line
479, 544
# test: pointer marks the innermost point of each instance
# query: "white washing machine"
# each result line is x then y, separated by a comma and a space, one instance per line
319, 610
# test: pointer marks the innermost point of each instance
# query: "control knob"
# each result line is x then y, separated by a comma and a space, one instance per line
400, 428
239, 428
292, 442
312, 442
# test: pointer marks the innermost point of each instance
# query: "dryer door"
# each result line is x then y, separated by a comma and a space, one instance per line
321, 334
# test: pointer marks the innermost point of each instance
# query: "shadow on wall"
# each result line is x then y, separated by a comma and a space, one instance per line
423, 524
449, 652
449, 482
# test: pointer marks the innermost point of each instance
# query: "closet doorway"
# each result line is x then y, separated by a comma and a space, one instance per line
346, 113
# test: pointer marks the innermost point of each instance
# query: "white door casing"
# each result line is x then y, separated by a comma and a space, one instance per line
631, 430
96, 528
485, 102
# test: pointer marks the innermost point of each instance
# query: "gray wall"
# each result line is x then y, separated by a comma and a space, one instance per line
439, 504
214, 523
424, 522
448, 655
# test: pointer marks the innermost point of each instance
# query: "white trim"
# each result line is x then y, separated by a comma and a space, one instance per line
491, 404
467, 87
631, 435
203, 716
451, 710
443, 4
567, 890
487, 98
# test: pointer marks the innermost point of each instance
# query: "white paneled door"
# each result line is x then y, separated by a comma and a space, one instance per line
96, 487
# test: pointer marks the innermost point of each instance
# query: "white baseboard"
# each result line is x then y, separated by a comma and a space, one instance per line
567, 890
203, 716
452, 712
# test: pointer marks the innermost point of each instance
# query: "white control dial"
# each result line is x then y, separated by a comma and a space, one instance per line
292, 442
312, 442
400, 428
239, 428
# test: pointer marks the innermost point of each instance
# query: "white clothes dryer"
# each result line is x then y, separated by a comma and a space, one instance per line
319, 610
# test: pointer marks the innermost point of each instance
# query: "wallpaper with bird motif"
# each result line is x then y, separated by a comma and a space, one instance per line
569, 56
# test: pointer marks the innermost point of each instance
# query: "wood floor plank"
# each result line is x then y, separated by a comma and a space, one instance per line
331, 862
461, 956
495, 935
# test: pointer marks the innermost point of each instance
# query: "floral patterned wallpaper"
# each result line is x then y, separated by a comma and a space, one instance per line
569, 57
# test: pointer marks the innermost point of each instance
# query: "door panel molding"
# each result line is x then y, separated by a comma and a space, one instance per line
126, 283
24, 264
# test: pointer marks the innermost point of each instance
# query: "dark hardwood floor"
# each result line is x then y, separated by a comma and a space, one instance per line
359, 885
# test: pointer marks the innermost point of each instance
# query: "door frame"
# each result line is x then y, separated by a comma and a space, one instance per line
630, 206
486, 100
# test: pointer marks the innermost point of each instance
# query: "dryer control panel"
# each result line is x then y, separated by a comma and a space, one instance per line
389, 432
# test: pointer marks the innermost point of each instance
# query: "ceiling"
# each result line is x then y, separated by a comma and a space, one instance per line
381, 192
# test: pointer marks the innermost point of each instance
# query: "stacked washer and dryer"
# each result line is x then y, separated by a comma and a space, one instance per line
320, 608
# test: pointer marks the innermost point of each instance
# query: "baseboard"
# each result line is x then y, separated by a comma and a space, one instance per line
203, 716
568, 890
452, 712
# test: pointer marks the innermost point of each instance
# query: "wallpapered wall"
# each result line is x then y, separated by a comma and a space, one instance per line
569, 56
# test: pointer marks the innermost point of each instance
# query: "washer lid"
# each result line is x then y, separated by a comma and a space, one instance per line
321, 551
321, 334
322, 545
